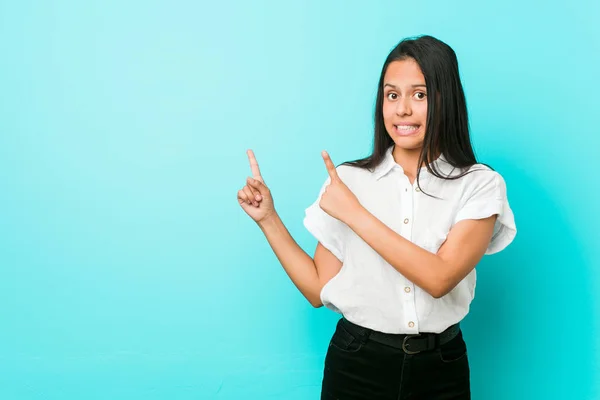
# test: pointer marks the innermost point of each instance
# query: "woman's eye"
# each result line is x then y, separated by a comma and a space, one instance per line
422, 95
392, 96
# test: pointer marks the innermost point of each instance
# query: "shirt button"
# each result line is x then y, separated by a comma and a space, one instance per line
407, 289
411, 324
406, 220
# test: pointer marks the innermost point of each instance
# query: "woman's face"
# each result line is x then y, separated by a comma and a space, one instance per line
405, 104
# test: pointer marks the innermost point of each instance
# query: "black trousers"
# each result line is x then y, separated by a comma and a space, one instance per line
359, 368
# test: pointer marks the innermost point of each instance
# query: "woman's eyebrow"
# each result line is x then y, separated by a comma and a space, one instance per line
414, 86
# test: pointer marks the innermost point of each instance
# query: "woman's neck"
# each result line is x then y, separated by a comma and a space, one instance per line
408, 159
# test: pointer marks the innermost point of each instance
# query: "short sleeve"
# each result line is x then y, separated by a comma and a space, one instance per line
488, 196
327, 230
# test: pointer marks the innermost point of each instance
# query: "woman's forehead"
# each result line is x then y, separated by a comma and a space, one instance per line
404, 73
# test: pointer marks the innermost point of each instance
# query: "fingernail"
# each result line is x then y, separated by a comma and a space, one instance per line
257, 197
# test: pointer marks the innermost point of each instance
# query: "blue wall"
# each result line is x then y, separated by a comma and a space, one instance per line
127, 268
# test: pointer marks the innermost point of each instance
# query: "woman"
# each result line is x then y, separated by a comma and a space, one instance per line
399, 235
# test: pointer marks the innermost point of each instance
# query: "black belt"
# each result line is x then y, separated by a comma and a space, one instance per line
409, 343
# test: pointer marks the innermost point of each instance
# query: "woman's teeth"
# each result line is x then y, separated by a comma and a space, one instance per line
407, 128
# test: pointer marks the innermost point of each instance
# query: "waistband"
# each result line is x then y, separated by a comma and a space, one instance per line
409, 343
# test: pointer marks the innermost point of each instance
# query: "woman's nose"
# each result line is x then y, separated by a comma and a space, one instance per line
403, 107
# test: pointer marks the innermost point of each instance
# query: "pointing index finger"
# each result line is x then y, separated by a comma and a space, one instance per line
329, 165
254, 166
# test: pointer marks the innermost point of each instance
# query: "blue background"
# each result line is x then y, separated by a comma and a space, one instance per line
128, 269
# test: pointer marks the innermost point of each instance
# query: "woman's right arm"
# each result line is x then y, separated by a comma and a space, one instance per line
308, 275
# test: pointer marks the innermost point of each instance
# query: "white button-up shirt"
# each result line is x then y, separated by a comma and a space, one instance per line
368, 290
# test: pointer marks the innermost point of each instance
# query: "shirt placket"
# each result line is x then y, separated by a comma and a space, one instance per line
411, 324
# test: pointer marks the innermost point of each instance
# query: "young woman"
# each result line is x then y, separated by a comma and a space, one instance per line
399, 235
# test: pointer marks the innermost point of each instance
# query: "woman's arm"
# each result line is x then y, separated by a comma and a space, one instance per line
309, 276
437, 273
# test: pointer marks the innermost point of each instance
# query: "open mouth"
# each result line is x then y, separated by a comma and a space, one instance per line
406, 130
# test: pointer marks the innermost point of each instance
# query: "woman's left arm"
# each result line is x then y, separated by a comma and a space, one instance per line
439, 273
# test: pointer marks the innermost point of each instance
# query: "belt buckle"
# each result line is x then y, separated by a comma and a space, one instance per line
404, 344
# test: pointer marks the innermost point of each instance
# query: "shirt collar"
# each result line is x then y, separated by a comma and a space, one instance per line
389, 164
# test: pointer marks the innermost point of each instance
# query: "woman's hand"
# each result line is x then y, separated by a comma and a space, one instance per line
255, 198
338, 200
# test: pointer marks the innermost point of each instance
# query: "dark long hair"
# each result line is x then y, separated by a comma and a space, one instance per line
447, 126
